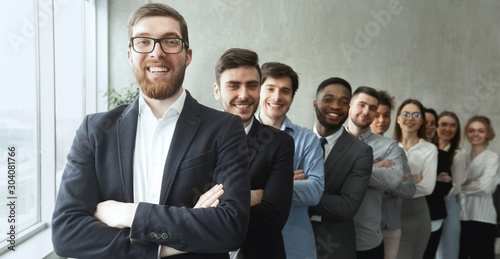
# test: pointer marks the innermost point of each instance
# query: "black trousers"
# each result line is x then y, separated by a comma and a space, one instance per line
477, 240
432, 245
374, 253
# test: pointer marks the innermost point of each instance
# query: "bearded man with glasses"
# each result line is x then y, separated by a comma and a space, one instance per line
132, 185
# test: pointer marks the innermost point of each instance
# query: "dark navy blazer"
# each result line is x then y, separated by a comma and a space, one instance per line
208, 147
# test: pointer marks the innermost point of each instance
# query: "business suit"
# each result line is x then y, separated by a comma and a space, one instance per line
348, 168
270, 154
208, 147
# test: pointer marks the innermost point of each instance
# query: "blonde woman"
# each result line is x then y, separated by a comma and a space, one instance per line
477, 213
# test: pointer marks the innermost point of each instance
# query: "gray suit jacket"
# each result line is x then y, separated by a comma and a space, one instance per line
208, 147
348, 168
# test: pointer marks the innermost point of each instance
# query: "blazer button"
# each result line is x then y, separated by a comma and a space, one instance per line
164, 236
158, 235
152, 235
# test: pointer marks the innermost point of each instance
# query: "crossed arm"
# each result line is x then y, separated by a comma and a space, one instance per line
121, 215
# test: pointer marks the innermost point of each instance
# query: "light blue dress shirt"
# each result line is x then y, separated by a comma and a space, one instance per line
298, 234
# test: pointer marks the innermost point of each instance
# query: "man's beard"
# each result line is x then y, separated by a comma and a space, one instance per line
160, 89
330, 127
360, 125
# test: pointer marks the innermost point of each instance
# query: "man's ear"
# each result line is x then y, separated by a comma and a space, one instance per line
189, 56
315, 104
216, 92
129, 56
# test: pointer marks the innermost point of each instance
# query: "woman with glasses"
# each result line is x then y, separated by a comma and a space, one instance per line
435, 200
448, 132
477, 211
391, 202
409, 131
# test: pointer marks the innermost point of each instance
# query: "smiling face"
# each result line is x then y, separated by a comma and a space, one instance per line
477, 134
363, 109
332, 108
447, 128
159, 75
239, 92
410, 125
382, 120
430, 125
276, 98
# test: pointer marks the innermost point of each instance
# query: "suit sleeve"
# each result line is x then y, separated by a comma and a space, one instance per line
308, 192
75, 231
389, 178
343, 206
273, 211
205, 230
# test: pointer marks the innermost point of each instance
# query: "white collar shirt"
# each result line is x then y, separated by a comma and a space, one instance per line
332, 139
152, 144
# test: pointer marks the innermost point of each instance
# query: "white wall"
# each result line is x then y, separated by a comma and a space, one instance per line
444, 53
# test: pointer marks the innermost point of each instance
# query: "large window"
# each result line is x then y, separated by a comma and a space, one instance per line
49, 80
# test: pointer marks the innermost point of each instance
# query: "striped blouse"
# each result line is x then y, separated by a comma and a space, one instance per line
476, 200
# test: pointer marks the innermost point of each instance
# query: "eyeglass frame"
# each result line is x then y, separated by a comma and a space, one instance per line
415, 115
131, 42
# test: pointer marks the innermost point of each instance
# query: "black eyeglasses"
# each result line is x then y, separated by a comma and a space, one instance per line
147, 45
415, 115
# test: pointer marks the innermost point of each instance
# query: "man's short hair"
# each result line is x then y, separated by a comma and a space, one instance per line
158, 9
368, 91
235, 57
334, 81
279, 70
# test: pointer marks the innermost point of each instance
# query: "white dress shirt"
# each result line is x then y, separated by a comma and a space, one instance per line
422, 159
152, 144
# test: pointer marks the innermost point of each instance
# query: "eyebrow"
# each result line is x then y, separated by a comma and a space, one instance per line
239, 82
331, 95
165, 35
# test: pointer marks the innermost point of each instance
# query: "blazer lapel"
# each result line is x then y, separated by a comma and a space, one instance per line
126, 133
187, 126
253, 141
340, 148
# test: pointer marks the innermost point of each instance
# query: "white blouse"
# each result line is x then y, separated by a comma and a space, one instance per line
457, 170
422, 159
476, 200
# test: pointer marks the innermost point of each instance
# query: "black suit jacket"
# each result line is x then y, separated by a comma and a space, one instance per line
208, 147
270, 152
348, 169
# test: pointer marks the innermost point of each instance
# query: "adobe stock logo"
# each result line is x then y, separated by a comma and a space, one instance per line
371, 30
470, 105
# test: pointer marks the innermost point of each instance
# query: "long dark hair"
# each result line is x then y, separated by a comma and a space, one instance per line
397, 135
455, 141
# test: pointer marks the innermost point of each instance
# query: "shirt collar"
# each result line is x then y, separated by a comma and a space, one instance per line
331, 138
286, 126
176, 106
363, 136
249, 126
